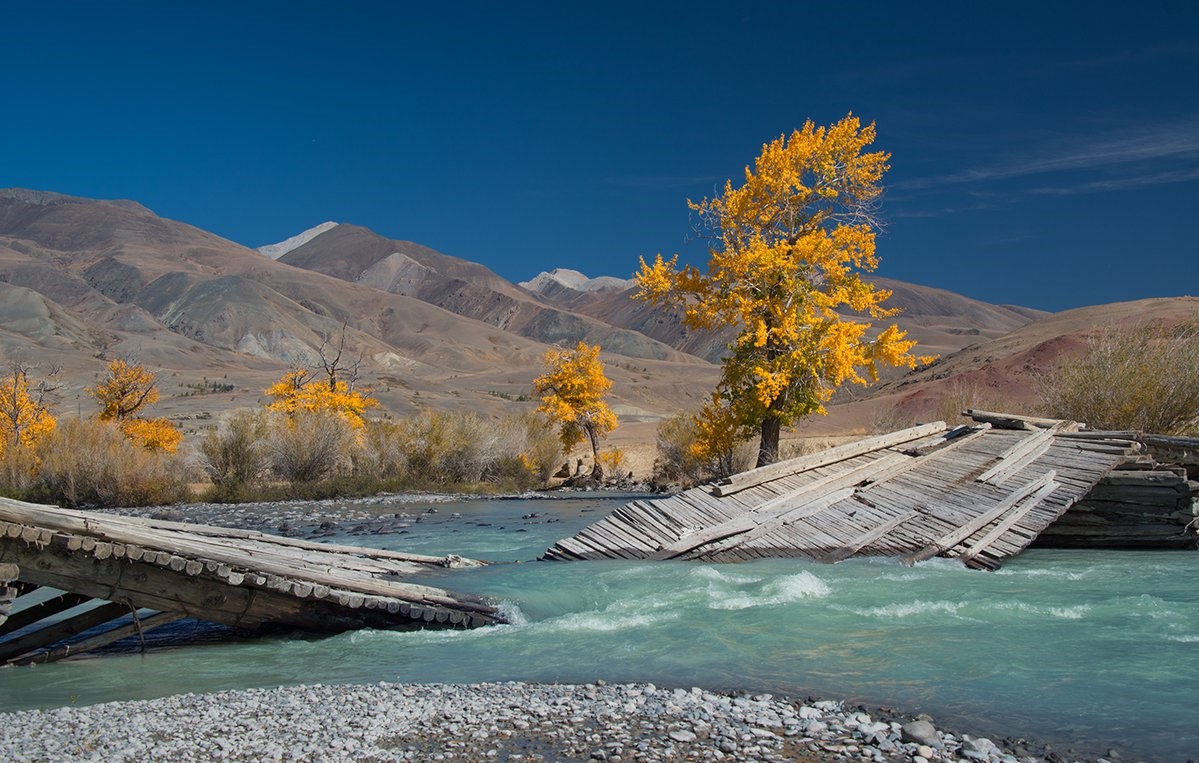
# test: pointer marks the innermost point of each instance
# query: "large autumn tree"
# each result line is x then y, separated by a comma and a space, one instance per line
787, 250
572, 391
123, 397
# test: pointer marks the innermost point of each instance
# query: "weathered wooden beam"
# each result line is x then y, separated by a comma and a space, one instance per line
830, 483
313, 570
1012, 420
933, 443
52, 634
293, 543
220, 595
98, 534
1008, 522
967, 529
1018, 456
41, 611
99, 640
765, 474
865, 539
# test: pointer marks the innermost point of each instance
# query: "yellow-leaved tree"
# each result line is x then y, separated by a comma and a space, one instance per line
301, 390
787, 248
129, 389
24, 418
572, 392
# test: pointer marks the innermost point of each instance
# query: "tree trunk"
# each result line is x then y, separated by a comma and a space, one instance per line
768, 449
597, 471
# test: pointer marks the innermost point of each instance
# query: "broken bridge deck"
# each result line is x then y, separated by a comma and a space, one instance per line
976, 493
136, 574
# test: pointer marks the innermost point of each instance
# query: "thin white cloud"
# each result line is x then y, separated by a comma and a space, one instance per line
1179, 140
1120, 183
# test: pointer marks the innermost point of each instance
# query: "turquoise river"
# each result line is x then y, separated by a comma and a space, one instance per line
1085, 650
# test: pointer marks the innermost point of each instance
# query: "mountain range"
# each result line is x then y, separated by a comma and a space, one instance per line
83, 281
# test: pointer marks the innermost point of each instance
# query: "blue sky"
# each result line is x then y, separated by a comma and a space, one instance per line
1043, 154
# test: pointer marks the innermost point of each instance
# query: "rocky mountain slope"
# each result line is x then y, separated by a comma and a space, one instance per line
941, 321
83, 281
358, 255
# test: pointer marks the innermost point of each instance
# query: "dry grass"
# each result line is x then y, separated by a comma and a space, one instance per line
677, 462
1143, 378
90, 463
236, 454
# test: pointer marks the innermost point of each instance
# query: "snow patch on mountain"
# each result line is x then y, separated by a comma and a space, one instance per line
573, 279
275, 251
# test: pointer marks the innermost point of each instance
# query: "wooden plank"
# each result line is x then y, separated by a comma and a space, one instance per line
100, 639
1018, 456
58, 631
955, 537
41, 611
770, 524
314, 570
211, 531
1007, 522
772, 472
832, 483
867, 538
811, 498
933, 443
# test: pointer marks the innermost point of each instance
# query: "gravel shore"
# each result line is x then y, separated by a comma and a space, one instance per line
487, 722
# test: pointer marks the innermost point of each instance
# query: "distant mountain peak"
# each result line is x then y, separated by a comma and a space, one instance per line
574, 280
275, 251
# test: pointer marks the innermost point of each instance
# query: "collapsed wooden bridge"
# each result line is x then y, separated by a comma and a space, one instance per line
136, 574
976, 493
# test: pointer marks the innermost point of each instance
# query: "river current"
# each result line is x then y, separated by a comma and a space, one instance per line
1087, 650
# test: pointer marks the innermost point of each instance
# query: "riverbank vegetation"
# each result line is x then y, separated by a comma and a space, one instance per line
1143, 378
311, 440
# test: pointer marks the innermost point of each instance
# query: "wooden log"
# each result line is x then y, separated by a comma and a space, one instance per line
100, 639
1019, 456
58, 631
955, 434
815, 490
163, 543
1014, 421
152, 586
772, 472
964, 531
41, 611
769, 524
239, 534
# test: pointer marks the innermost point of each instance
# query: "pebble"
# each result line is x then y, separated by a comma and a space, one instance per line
513, 721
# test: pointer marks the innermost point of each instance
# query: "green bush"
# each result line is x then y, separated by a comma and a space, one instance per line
1144, 378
